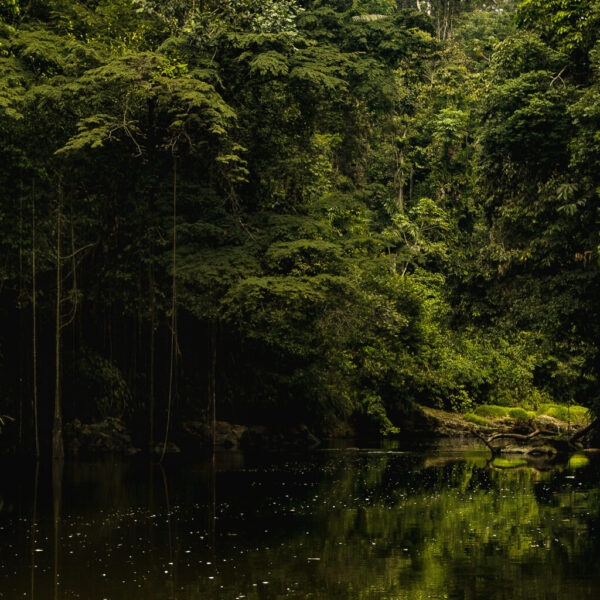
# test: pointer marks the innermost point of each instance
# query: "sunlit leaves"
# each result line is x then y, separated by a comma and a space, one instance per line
570, 24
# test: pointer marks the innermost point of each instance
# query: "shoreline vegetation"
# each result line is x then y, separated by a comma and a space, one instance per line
305, 216
550, 432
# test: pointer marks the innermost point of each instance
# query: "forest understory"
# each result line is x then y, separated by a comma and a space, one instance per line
300, 217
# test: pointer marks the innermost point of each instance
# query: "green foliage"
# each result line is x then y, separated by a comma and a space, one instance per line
578, 461
553, 410
476, 419
492, 411
373, 416
504, 463
519, 414
569, 414
573, 414
372, 207
570, 24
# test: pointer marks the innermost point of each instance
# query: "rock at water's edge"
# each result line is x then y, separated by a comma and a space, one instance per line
109, 436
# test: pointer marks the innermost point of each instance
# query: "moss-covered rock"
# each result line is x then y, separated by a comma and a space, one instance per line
491, 411
519, 414
199, 434
109, 436
476, 419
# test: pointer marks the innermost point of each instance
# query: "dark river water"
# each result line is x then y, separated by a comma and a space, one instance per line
326, 525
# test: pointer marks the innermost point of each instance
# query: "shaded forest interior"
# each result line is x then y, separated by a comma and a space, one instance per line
295, 211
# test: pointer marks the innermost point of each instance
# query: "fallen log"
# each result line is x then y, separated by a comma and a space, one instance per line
513, 436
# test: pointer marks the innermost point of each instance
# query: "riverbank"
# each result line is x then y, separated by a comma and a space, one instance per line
549, 431
499, 419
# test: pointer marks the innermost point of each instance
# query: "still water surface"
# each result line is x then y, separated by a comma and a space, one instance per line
327, 525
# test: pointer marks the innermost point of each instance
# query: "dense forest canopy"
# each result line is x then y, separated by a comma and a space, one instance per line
295, 211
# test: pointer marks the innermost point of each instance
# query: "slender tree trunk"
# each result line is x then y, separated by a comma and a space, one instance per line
400, 179
21, 322
75, 297
173, 314
137, 334
57, 439
34, 326
212, 380
400, 200
152, 352
400, 163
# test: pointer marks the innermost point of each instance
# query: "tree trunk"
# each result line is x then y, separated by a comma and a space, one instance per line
34, 327
21, 323
400, 201
58, 450
173, 314
212, 384
74, 296
152, 359
400, 175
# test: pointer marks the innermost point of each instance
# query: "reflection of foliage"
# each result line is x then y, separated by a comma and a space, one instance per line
446, 528
383, 526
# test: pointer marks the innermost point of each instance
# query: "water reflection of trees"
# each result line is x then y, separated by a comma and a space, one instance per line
382, 526
455, 530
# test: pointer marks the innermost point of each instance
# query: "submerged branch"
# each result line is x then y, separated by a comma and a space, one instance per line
512, 436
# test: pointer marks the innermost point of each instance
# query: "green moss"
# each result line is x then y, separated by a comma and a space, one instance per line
475, 419
574, 414
503, 463
555, 411
578, 460
519, 414
491, 411
580, 414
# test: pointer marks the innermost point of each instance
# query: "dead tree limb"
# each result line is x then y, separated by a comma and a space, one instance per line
507, 435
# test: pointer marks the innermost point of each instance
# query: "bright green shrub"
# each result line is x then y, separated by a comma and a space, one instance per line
491, 411
569, 414
519, 414
580, 414
476, 420
555, 411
